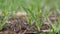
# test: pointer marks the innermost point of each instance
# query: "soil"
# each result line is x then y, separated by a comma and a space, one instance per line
21, 26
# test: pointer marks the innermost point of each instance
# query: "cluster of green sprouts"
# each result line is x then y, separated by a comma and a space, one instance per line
31, 7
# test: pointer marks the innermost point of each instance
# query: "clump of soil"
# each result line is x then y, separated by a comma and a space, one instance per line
21, 26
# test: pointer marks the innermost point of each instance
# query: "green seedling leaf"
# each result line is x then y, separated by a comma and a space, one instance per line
3, 22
